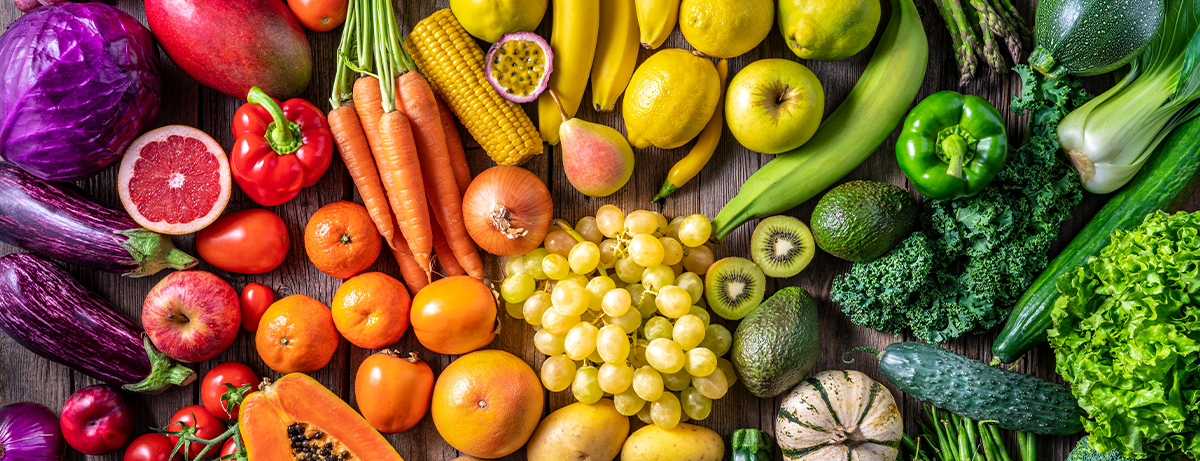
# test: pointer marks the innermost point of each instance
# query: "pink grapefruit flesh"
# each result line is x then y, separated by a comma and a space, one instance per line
174, 180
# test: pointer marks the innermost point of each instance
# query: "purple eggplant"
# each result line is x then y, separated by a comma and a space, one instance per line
58, 221
49, 313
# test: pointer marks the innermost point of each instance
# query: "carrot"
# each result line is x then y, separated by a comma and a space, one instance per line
441, 249
368, 103
415, 98
400, 169
353, 145
413, 275
458, 156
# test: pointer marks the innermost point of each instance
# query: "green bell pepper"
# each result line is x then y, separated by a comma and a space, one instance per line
751, 445
952, 145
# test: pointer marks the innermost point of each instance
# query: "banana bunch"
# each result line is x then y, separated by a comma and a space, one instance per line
656, 19
616, 52
573, 39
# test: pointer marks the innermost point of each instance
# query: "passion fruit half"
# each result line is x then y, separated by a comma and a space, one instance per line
519, 66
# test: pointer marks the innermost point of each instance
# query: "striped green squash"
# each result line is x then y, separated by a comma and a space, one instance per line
839, 415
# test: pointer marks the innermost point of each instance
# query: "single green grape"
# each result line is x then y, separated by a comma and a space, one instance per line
677, 381
612, 344
673, 227
569, 298
514, 265
578, 279
672, 251
586, 385
647, 382
616, 302
596, 288
584, 257
640, 222
693, 284
702, 313
628, 403
695, 404
673, 301
515, 310
533, 263
610, 221
580, 341
548, 343
698, 259
517, 287
555, 266
646, 250
694, 230
595, 358
644, 415
665, 355
688, 331
663, 225
700, 362
656, 277
608, 251
558, 242
615, 378
665, 411
557, 372
535, 307
628, 270
557, 322
629, 321
713, 386
717, 338
586, 227
657, 327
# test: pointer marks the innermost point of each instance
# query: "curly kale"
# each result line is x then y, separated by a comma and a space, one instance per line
975, 256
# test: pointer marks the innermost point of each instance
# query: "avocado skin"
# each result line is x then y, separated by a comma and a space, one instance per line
777, 344
862, 220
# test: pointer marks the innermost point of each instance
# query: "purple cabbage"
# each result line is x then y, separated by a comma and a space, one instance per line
78, 82
30, 432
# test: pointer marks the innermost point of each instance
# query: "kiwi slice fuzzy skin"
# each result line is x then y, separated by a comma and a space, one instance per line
734, 287
782, 246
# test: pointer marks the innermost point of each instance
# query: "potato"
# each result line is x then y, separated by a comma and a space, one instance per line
683, 443
580, 432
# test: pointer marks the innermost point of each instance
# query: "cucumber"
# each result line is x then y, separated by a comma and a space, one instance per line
981, 392
1164, 183
1092, 37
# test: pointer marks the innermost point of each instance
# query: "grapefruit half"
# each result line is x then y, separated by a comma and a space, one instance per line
174, 180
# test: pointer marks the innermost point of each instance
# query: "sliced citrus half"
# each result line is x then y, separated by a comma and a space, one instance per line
174, 180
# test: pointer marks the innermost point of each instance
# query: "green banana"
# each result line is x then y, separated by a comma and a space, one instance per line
852, 133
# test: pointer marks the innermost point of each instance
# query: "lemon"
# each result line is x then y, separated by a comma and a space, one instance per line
725, 28
669, 99
487, 20
828, 30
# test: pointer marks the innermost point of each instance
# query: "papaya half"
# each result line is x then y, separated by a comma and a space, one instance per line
297, 418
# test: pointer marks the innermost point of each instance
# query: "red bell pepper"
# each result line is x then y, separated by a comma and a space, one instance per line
280, 148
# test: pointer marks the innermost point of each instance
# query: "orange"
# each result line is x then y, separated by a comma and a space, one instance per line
487, 403
371, 310
454, 315
342, 240
296, 335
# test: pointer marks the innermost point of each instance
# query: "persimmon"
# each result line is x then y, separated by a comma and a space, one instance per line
342, 240
397, 391
296, 334
454, 315
371, 310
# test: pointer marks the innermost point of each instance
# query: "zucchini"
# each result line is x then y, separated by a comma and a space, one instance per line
1164, 183
978, 391
1092, 37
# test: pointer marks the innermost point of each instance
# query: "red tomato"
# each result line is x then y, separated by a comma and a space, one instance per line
213, 386
247, 242
207, 426
230, 448
151, 447
319, 15
256, 298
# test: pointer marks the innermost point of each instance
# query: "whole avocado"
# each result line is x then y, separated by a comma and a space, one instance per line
862, 220
777, 344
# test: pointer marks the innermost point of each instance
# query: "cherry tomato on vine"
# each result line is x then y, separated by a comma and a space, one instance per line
319, 15
256, 298
247, 242
213, 386
206, 426
230, 448
151, 447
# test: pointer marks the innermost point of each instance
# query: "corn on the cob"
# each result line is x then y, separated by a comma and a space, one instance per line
454, 66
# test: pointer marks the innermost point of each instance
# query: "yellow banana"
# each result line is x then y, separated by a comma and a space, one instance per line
573, 40
656, 20
616, 52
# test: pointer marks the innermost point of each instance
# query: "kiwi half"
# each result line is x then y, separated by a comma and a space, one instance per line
734, 287
782, 246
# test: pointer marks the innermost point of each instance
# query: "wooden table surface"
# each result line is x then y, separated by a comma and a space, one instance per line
26, 377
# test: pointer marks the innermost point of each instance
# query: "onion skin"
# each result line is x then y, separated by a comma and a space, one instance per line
30, 432
508, 196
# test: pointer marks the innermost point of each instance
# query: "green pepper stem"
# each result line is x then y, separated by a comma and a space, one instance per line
280, 133
955, 148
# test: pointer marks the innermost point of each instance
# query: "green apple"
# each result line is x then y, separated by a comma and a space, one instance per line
774, 105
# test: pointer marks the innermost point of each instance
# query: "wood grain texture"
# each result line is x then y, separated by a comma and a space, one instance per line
27, 377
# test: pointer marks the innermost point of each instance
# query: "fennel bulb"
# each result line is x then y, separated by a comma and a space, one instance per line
1110, 137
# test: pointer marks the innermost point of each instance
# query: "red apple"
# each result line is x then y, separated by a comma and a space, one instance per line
192, 315
96, 420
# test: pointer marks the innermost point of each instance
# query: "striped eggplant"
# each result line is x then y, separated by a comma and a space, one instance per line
49, 313
58, 221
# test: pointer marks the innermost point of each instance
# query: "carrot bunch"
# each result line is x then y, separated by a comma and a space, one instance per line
401, 147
